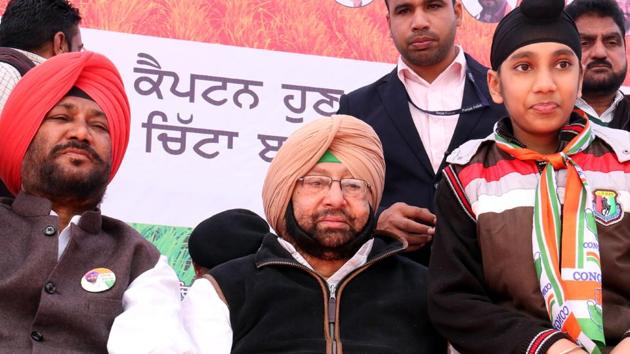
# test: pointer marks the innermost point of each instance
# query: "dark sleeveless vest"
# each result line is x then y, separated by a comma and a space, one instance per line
43, 307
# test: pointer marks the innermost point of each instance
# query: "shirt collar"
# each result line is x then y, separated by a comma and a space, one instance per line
583, 105
458, 66
359, 259
37, 59
74, 220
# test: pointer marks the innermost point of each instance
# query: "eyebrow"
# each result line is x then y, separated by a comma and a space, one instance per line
529, 54
615, 35
401, 6
563, 51
316, 169
522, 55
71, 107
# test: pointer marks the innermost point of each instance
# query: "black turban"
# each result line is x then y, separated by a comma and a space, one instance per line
225, 236
533, 22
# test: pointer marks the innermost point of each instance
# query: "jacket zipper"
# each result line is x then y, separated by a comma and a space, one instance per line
332, 291
332, 316
342, 284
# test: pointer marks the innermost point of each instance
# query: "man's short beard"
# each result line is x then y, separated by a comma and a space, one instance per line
605, 87
310, 240
431, 58
47, 178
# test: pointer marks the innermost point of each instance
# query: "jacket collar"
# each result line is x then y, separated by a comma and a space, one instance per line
29, 205
618, 140
271, 252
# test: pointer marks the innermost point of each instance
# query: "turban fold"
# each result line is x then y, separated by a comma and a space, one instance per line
352, 141
42, 88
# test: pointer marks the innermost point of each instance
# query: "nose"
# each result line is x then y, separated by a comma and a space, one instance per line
544, 82
419, 20
599, 50
334, 196
79, 130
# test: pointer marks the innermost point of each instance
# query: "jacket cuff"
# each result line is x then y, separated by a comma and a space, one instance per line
544, 340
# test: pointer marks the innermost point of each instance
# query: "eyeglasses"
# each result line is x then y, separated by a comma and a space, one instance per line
350, 187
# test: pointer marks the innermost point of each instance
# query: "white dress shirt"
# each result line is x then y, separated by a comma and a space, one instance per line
445, 93
607, 116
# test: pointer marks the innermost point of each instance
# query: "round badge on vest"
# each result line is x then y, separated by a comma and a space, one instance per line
98, 280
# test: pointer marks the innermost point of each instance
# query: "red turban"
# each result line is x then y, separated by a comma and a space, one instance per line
42, 88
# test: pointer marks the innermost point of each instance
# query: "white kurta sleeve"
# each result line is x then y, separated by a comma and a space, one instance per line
151, 318
207, 319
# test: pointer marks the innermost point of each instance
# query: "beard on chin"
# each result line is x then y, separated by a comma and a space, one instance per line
327, 244
603, 87
57, 184
429, 57
50, 179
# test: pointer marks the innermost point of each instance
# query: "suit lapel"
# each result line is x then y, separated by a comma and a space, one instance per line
475, 75
394, 98
466, 121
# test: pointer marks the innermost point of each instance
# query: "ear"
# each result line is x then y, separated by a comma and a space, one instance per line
457, 8
494, 86
60, 44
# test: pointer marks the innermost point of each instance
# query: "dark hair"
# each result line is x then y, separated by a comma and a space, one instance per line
387, 4
601, 8
29, 24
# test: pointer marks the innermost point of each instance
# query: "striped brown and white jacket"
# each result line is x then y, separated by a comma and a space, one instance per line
484, 294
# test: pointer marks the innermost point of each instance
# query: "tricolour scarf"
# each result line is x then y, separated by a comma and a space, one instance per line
569, 274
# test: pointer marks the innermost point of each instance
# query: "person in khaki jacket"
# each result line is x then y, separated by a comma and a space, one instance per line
326, 283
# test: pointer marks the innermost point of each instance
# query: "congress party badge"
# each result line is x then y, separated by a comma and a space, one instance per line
98, 280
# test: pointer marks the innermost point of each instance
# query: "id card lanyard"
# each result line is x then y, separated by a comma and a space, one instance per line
483, 102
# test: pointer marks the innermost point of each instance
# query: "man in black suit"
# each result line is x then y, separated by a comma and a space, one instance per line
432, 102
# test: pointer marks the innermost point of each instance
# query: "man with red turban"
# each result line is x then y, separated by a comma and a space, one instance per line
68, 271
327, 283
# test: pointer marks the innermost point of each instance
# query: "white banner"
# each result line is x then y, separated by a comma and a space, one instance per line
207, 118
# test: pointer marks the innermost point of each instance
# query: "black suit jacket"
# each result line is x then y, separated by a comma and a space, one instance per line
621, 117
409, 176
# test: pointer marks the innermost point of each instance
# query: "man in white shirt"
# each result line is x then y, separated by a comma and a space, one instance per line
432, 102
601, 27
327, 283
